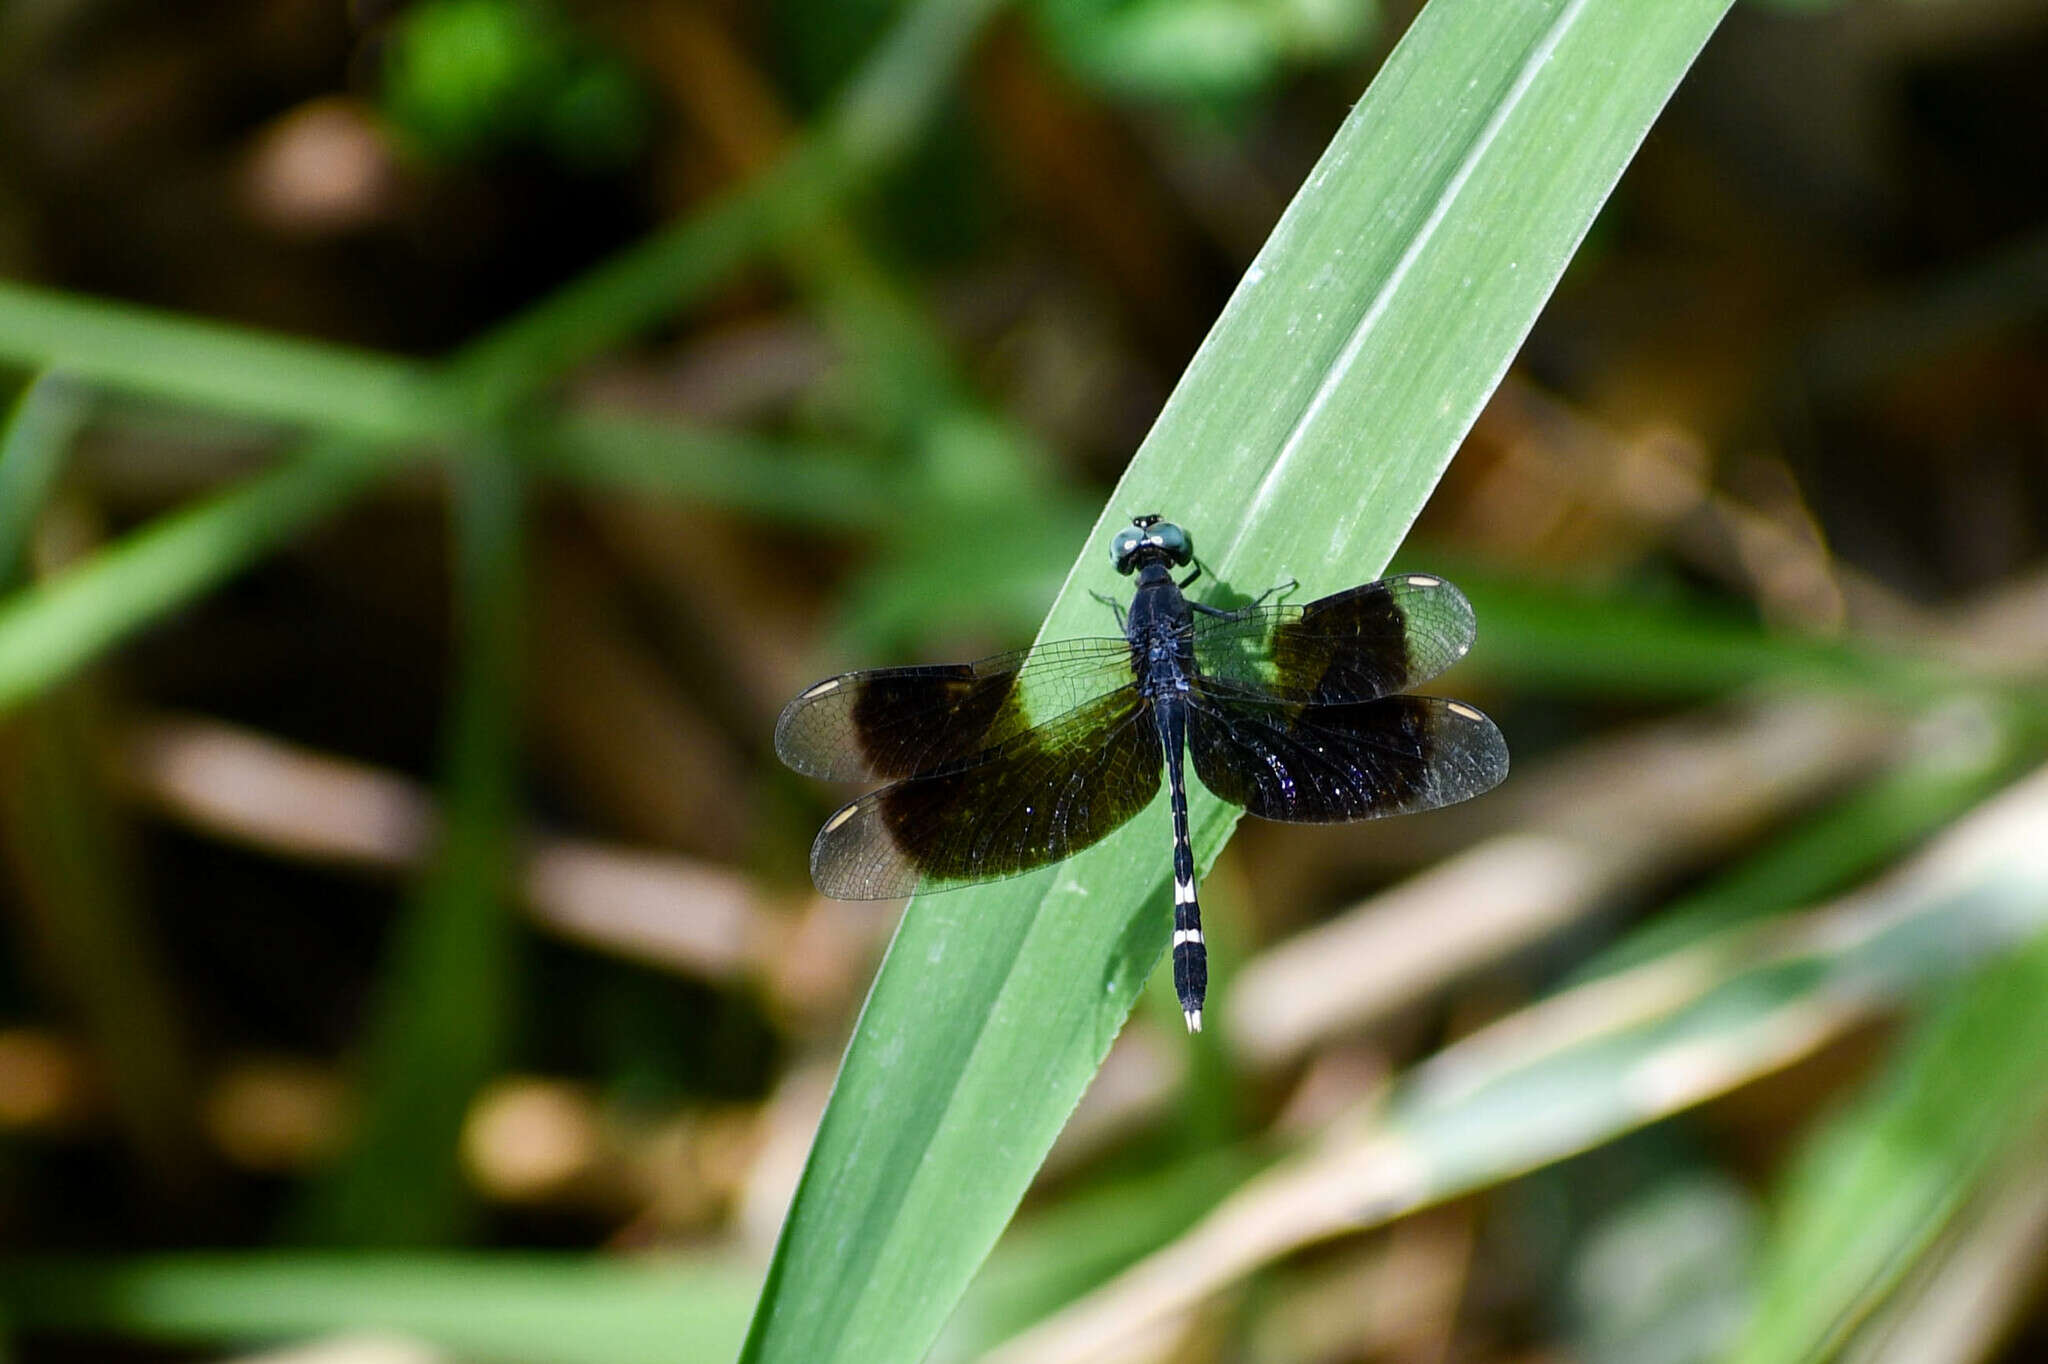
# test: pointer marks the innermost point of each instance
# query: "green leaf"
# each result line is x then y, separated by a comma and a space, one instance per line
1959, 757
1876, 1189
1302, 440
1552, 636
538, 1308
239, 370
55, 626
37, 437
440, 1028
797, 484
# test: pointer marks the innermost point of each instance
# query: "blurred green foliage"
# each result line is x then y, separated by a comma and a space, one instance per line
1206, 54
469, 79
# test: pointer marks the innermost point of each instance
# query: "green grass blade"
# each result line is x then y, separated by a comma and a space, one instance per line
76, 899
439, 1031
1071, 1247
1303, 439
75, 903
55, 626
255, 374
801, 485
1553, 637
48, 415
1875, 1191
538, 1309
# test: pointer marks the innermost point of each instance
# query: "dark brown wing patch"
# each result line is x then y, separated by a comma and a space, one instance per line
1371, 641
1043, 796
1331, 764
905, 722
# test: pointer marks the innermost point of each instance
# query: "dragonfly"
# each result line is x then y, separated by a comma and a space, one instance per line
1000, 767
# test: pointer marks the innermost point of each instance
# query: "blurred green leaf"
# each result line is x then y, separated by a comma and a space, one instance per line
1187, 49
1664, 1279
258, 375
1557, 637
439, 1028
1051, 1258
1388, 301
1877, 1186
33, 444
468, 78
51, 628
535, 1308
795, 483
358, 394
870, 123
74, 899
1960, 756
1199, 51
290, 380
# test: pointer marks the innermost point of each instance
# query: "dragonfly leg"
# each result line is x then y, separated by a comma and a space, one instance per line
1281, 589
1113, 604
1239, 613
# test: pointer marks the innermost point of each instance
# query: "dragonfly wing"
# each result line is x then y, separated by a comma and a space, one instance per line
1371, 641
893, 723
1331, 764
1044, 795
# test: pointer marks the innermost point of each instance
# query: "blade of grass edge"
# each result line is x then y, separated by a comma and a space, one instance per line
1389, 300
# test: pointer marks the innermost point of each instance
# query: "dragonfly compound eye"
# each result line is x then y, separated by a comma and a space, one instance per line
1175, 541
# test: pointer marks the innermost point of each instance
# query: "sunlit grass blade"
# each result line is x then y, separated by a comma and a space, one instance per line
53, 627
535, 1309
440, 1025
1880, 1185
1302, 440
1604, 1059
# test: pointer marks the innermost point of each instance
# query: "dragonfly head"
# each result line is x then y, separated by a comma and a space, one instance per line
1147, 537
